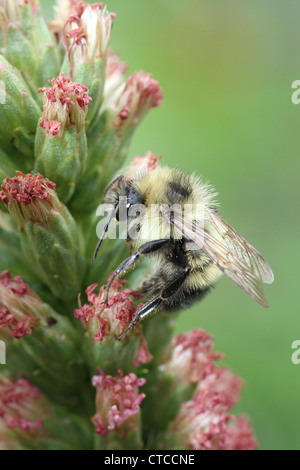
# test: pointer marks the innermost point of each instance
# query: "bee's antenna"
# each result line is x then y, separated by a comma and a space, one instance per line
105, 229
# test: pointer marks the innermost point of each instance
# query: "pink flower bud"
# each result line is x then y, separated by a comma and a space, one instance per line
190, 357
108, 319
22, 407
117, 402
222, 384
29, 197
203, 423
87, 32
21, 310
239, 435
134, 99
148, 162
143, 356
65, 104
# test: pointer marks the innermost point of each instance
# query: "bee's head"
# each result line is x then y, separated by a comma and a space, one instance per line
121, 195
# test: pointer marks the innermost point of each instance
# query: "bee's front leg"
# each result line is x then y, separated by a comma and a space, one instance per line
146, 248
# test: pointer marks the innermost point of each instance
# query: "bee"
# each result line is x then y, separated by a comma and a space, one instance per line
191, 248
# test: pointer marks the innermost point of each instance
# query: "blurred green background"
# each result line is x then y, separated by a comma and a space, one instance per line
226, 69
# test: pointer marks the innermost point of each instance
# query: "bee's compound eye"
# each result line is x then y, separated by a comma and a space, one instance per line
122, 209
125, 203
133, 198
122, 212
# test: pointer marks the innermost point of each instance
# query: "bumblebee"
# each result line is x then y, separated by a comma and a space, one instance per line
191, 249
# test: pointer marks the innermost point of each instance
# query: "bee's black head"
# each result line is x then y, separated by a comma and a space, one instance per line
122, 195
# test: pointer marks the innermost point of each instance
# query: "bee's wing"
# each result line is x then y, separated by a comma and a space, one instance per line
242, 249
234, 268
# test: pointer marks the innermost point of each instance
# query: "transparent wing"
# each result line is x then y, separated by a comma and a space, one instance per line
234, 268
242, 249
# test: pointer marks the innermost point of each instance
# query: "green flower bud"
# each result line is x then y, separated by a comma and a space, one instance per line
60, 143
50, 357
8, 165
28, 43
68, 431
50, 346
49, 237
19, 113
10, 247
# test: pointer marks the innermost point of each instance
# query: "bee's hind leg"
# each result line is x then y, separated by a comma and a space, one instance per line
170, 289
